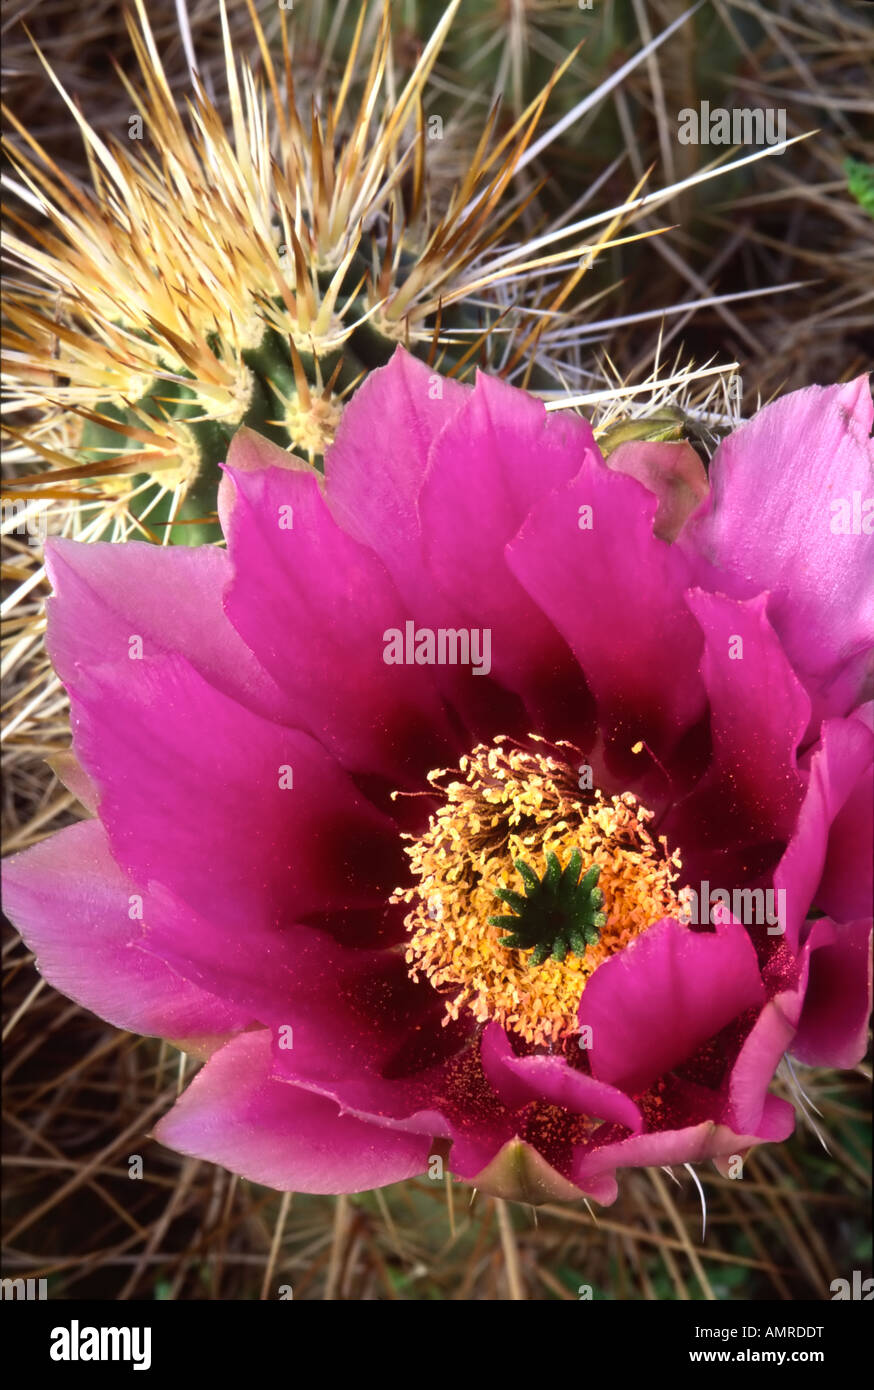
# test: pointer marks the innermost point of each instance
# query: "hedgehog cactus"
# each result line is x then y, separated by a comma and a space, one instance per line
254, 272
252, 277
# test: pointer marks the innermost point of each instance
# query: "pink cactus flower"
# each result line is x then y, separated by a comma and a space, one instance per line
455, 811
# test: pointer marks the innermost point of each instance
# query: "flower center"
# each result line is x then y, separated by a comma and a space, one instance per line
591, 876
558, 913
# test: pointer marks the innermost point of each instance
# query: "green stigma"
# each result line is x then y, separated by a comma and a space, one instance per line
560, 912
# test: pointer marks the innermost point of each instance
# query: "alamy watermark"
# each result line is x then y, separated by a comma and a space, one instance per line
443, 646
860, 1289
751, 906
77, 1343
21, 518
742, 125
26, 1289
852, 516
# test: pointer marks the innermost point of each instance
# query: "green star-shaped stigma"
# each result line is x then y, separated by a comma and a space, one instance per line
559, 912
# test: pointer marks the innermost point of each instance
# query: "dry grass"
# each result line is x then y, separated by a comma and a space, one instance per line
782, 221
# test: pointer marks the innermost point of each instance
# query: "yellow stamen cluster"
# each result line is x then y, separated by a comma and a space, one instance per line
504, 803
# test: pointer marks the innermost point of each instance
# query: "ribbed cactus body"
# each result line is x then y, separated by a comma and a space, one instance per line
274, 405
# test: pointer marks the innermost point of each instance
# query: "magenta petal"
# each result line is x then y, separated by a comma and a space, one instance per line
776, 1124
375, 468
487, 468
847, 885
833, 1028
661, 1148
828, 859
170, 597
234, 1113
248, 964
72, 904
315, 605
357, 1028
374, 474
757, 1062
616, 594
221, 806
364, 1032
758, 712
653, 1004
672, 471
520, 1080
782, 485
476, 1137
828, 1004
